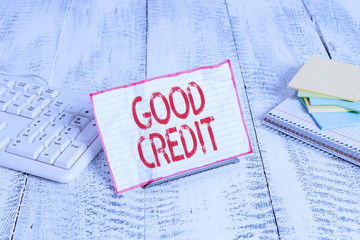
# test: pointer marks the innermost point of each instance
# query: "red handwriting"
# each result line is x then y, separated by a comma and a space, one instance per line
161, 145
147, 115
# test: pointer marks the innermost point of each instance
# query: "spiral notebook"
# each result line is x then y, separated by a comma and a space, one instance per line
291, 118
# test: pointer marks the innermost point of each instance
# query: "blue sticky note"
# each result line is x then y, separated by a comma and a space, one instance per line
336, 120
355, 106
330, 120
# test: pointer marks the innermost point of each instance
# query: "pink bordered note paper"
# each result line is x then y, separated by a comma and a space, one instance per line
160, 127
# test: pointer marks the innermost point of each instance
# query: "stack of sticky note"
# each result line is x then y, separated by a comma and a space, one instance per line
330, 91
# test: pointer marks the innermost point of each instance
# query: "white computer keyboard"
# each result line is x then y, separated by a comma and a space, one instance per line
45, 131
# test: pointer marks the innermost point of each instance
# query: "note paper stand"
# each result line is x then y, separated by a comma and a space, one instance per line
188, 173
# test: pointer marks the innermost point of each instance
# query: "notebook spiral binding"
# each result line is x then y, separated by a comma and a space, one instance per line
313, 138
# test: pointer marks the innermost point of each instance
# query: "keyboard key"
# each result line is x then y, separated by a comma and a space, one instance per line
41, 102
89, 133
50, 92
87, 112
49, 114
12, 95
45, 138
79, 122
4, 139
22, 86
7, 82
70, 155
30, 111
35, 89
60, 143
59, 106
64, 118
25, 148
26, 98
74, 109
70, 132
29, 134
55, 128
4, 103
16, 107
49, 155
39, 123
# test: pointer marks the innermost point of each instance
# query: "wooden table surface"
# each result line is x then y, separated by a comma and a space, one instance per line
285, 189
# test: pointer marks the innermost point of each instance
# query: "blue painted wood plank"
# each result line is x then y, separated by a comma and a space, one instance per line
314, 195
29, 37
226, 203
337, 23
102, 46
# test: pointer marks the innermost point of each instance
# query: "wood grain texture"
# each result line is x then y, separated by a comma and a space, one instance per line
88, 46
11, 187
315, 196
231, 202
103, 45
339, 28
338, 25
29, 36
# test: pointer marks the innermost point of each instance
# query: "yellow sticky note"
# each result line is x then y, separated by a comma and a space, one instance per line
328, 77
303, 94
323, 108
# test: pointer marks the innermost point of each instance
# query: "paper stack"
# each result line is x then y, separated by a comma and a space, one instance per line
330, 91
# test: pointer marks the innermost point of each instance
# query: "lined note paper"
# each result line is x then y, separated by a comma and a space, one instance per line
168, 125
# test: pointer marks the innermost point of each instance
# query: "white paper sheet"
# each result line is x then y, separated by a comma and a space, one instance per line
167, 125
